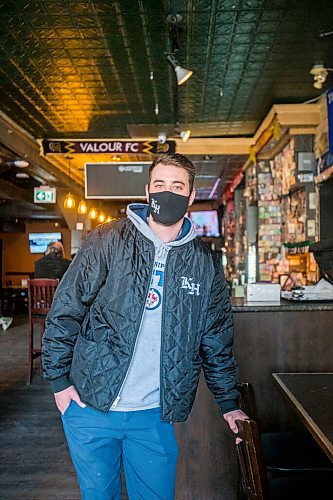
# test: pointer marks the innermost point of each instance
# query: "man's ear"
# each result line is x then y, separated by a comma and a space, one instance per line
147, 192
192, 197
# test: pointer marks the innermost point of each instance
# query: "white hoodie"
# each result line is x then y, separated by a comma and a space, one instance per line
141, 388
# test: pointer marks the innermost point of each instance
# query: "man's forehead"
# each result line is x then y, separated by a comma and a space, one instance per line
168, 171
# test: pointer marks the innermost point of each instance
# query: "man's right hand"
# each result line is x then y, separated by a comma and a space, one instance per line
63, 399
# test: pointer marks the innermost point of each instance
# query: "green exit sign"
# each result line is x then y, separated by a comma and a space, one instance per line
44, 194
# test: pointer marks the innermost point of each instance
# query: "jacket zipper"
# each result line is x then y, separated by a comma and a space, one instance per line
162, 336
116, 401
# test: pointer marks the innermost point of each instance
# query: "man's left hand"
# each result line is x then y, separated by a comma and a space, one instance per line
231, 418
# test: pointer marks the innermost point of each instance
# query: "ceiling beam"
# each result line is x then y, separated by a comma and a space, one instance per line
25, 146
9, 191
215, 146
19, 212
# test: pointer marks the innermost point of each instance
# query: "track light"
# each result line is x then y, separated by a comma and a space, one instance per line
182, 74
319, 73
162, 138
184, 134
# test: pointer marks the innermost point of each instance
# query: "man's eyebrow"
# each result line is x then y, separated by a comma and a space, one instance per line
162, 181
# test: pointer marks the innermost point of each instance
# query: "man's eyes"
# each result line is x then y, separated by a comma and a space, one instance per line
174, 188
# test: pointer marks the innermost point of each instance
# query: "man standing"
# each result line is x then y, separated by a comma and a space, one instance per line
143, 307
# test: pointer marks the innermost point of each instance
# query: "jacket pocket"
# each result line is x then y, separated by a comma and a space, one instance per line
84, 360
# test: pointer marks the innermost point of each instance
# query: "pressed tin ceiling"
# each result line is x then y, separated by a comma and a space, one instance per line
82, 68
94, 69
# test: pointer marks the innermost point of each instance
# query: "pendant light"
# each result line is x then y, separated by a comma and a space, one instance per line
82, 209
101, 217
93, 213
69, 200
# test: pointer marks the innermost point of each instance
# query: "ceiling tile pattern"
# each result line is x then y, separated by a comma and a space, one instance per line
93, 68
71, 68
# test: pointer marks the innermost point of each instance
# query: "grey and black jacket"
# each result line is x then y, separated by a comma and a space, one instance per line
96, 315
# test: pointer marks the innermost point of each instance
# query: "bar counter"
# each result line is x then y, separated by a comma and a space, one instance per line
285, 337
240, 305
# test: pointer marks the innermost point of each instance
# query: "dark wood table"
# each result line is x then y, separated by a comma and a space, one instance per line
311, 396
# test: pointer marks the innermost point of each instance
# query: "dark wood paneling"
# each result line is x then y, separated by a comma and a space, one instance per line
281, 342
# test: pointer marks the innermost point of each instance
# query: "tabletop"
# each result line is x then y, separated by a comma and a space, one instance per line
311, 396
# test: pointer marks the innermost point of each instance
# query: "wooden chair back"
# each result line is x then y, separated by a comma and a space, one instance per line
40, 294
247, 400
251, 461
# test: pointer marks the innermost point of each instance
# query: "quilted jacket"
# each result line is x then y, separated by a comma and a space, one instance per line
96, 314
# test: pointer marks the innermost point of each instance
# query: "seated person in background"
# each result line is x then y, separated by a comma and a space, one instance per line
53, 264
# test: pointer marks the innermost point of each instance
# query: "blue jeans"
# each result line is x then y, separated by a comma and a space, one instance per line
100, 443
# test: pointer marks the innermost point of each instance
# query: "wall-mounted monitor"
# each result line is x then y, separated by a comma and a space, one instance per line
205, 223
114, 181
38, 241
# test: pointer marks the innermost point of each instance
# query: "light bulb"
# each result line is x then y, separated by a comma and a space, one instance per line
185, 135
93, 213
82, 208
101, 217
69, 201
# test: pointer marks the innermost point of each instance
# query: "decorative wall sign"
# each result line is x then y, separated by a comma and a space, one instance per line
104, 146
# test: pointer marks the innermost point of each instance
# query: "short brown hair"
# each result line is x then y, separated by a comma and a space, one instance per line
176, 160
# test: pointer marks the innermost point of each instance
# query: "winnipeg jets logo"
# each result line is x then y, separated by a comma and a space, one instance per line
155, 206
193, 288
153, 299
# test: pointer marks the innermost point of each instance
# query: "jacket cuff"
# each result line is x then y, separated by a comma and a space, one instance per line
60, 384
229, 405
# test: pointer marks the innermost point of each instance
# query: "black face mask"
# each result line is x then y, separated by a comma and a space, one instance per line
167, 208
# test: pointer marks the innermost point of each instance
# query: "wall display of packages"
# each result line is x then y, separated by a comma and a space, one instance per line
269, 234
251, 191
294, 227
228, 229
240, 237
284, 170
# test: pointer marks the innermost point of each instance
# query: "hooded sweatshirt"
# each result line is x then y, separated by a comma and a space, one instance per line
141, 388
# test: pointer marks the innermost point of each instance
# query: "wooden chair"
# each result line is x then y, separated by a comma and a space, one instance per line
254, 481
40, 296
285, 451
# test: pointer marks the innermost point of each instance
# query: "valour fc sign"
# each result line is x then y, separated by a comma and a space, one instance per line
104, 146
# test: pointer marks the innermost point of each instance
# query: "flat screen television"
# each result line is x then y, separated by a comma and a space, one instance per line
205, 223
38, 241
116, 181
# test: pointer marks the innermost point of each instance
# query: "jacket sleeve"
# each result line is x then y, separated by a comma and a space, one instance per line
218, 362
72, 300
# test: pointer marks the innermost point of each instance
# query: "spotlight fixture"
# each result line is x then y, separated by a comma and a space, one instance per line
184, 134
182, 74
162, 138
22, 175
319, 73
